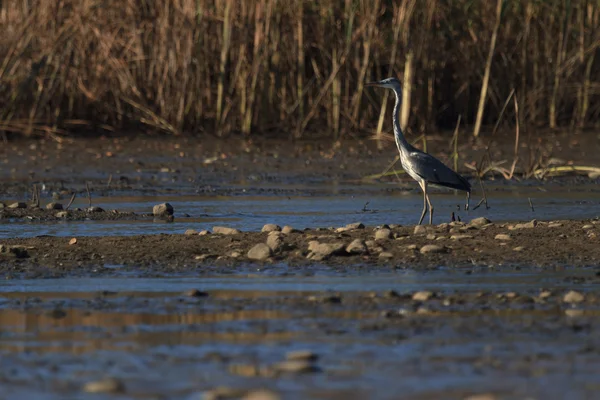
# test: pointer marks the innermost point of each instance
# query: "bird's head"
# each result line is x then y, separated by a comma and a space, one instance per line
388, 83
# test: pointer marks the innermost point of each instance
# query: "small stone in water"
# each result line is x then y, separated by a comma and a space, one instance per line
190, 232
259, 252
163, 209
195, 293
270, 228
573, 297
109, 385
301, 355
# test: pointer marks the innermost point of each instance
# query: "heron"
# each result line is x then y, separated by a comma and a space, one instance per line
422, 167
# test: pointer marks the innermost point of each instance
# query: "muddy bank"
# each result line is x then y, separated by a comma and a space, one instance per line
479, 243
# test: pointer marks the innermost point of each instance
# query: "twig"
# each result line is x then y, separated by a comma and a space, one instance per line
71, 201
89, 195
109, 181
478, 204
531, 204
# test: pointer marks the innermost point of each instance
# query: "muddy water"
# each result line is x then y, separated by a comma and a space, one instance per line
58, 335
251, 212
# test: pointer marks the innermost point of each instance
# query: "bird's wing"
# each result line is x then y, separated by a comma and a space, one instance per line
434, 171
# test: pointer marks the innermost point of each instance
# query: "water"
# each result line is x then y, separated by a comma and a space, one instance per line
251, 212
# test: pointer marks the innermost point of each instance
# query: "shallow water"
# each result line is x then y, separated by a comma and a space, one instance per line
251, 212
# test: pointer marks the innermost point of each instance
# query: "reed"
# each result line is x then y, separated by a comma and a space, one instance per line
294, 67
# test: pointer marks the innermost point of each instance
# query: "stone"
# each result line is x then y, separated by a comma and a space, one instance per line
296, 367
554, 225
222, 393
223, 230
382, 234
480, 221
460, 237
204, 232
62, 214
412, 247
259, 252
275, 240
430, 236
354, 225
423, 295
320, 251
2, 205
432, 248
420, 230
271, 228
519, 248
301, 355
526, 225
163, 209
235, 254
586, 227
94, 209
502, 236
573, 297
286, 230
261, 394
385, 255
108, 385
189, 232
54, 206
18, 205
73, 241
14, 251
357, 246
195, 293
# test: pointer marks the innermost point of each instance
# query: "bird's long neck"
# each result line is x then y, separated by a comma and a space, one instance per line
401, 142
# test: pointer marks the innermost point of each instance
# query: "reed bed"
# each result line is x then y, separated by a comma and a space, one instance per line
294, 68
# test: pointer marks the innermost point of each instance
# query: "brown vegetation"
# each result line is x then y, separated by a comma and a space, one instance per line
222, 66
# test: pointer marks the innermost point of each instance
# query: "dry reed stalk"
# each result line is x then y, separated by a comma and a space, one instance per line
226, 39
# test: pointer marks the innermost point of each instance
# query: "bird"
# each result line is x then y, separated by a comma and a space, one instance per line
422, 167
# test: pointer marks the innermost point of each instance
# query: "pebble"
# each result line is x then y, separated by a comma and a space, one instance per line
585, 227
190, 232
573, 297
62, 214
480, 221
296, 367
412, 247
286, 230
221, 393
420, 230
519, 248
261, 394
94, 209
526, 225
301, 355
15, 251
381, 234
423, 295
502, 236
431, 236
195, 293
275, 240
73, 241
432, 248
259, 252
247, 370
385, 255
271, 228
461, 237
54, 206
235, 254
18, 205
163, 209
320, 251
357, 246
108, 385
2, 205
223, 230
204, 232
554, 225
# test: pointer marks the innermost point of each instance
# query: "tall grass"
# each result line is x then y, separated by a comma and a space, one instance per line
293, 68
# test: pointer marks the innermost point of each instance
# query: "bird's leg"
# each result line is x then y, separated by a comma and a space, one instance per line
424, 189
430, 206
468, 198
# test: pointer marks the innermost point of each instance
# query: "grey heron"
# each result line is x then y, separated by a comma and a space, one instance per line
422, 167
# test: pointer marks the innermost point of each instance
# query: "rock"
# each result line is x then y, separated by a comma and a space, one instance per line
54, 206
73, 241
357, 246
588, 226
235, 254
222, 393
94, 209
247, 370
195, 293
2, 205
202, 257
432, 248
163, 209
296, 367
412, 247
386, 255
461, 237
502, 236
62, 214
275, 240
519, 248
108, 385
286, 230
480, 221
14, 251
420, 230
223, 230
423, 295
18, 205
259, 252
204, 232
554, 225
271, 228
382, 234
320, 251
261, 394
306, 355
526, 225
350, 227
430, 236
190, 232
573, 297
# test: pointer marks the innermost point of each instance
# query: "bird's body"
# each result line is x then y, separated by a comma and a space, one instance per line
422, 167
